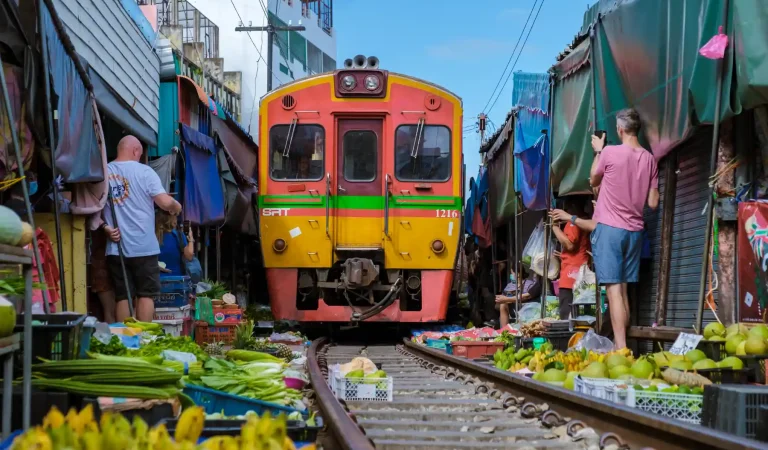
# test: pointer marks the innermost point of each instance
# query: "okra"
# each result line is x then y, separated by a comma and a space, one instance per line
101, 390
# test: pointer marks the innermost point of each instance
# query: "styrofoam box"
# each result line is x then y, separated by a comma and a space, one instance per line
181, 313
172, 327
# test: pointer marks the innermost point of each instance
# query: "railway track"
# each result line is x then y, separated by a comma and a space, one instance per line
444, 402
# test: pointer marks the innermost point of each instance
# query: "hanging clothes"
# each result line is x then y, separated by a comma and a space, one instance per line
89, 198
164, 167
203, 194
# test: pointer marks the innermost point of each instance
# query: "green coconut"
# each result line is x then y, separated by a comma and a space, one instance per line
7, 317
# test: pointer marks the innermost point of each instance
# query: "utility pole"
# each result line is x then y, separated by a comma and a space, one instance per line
271, 30
481, 119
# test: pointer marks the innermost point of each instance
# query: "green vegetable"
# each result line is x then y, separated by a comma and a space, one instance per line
249, 355
114, 347
257, 380
179, 344
102, 390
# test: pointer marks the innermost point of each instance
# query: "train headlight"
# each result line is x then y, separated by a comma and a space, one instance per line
279, 245
438, 246
348, 82
372, 82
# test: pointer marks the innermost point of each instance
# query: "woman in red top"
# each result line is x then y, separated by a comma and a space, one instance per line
575, 245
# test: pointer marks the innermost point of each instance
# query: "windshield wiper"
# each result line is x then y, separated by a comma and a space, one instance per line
417, 138
289, 138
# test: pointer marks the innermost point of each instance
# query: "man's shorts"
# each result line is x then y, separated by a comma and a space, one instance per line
617, 254
143, 276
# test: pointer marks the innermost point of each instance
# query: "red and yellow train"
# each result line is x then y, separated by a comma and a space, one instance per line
360, 196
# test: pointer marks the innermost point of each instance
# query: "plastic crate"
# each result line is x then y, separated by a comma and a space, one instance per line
214, 401
762, 428
174, 313
684, 407
298, 431
58, 338
361, 389
734, 409
475, 349
7, 442
756, 366
726, 376
173, 328
440, 344
172, 299
175, 283
85, 341
715, 350
601, 388
205, 333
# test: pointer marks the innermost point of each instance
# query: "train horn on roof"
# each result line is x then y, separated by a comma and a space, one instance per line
348, 64
373, 62
359, 62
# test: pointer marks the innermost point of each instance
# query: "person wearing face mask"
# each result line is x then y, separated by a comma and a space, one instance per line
15, 200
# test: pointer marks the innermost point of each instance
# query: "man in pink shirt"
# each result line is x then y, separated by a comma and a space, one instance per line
628, 178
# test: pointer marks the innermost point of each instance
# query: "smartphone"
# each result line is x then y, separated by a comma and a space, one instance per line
600, 133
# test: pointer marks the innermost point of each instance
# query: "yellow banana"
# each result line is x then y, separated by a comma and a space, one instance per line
190, 425
288, 445
54, 419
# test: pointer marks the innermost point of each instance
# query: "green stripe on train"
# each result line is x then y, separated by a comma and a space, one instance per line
360, 201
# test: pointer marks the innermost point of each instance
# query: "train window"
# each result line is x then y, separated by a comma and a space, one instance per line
432, 159
360, 149
297, 152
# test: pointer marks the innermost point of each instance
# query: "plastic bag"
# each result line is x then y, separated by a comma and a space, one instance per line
183, 357
204, 310
537, 265
553, 307
584, 288
715, 48
594, 342
535, 244
529, 312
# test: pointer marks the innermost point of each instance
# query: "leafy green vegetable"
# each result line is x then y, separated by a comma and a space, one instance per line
179, 344
115, 347
15, 285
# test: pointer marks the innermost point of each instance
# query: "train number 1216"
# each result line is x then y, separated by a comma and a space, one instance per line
446, 213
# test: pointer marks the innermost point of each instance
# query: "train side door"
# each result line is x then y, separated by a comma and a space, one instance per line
360, 187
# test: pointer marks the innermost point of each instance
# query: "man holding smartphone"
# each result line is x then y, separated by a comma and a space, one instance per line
628, 179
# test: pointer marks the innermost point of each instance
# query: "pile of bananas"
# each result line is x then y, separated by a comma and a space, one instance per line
79, 431
536, 361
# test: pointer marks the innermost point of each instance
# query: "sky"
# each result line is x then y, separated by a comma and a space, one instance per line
460, 45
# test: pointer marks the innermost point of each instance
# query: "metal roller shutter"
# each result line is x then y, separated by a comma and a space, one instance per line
687, 240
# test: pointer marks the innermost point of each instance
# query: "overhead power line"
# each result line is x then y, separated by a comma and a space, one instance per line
261, 58
518, 55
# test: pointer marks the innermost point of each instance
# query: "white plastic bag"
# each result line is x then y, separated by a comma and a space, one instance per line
584, 289
529, 312
535, 244
594, 342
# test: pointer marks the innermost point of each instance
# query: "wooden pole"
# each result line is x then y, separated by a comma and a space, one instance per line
667, 227
726, 233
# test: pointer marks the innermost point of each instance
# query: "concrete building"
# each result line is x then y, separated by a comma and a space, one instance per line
295, 54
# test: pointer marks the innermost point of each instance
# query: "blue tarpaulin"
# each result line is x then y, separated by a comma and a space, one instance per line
203, 193
78, 155
530, 97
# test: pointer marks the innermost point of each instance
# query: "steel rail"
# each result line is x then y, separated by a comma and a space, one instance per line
347, 433
638, 428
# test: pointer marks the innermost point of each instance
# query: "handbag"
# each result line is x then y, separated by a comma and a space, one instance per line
192, 268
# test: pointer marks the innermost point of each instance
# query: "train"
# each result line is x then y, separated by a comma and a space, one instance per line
361, 182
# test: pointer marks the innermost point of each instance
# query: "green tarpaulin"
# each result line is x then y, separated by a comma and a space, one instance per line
169, 118
502, 183
646, 57
572, 117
